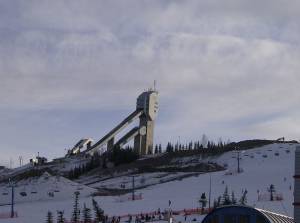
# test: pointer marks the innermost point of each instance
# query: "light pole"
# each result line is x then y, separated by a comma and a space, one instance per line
11, 184
238, 160
209, 194
133, 187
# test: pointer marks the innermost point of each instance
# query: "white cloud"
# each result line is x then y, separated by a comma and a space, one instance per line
216, 64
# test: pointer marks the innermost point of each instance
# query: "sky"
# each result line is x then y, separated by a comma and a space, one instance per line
73, 69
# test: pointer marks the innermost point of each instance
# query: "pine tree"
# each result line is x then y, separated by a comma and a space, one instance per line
219, 201
168, 149
99, 213
233, 199
243, 199
76, 210
159, 148
60, 217
86, 217
203, 201
226, 198
49, 217
272, 191
104, 163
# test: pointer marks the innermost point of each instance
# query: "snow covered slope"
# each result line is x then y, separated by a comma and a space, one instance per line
43, 188
272, 164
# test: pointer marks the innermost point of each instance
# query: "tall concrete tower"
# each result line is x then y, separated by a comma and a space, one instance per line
297, 186
148, 103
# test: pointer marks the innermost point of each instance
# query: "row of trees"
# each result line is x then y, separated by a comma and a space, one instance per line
117, 156
85, 217
120, 156
225, 199
95, 161
195, 146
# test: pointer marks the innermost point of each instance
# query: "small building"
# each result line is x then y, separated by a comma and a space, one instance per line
37, 161
244, 214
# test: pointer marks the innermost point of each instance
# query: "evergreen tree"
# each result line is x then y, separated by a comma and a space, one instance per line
87, 218
233, 199
156, 149
226, 198
99, 213
243, 199
176, 147
272, 191
190, 146
49, 217
76, 210
195, 146
219, 201
208, 145
159, 149
169, 148
104, 162
60, 217
203, 201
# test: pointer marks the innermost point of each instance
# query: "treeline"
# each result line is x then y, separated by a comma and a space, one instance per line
84, 215
210, 145
117, 156
120, 156
206, 146
95, 161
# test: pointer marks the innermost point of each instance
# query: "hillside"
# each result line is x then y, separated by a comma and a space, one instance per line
262, 166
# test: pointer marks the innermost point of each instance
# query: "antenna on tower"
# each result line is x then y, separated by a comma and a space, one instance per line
154, 85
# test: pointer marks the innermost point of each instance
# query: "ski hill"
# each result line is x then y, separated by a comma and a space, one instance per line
260, 167
43, 188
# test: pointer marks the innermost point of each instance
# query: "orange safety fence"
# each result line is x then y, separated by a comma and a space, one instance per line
174, 212
156, 213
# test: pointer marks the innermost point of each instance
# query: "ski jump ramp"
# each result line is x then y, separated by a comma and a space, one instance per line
146, 111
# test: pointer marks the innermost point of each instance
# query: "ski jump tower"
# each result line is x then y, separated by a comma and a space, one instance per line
146, 112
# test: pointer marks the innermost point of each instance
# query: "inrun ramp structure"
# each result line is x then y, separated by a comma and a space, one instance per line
146, 111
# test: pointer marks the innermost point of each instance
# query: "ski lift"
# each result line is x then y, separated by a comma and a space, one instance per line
34, 190
56, 189
23, 192
5, 191
50, 193
79, 187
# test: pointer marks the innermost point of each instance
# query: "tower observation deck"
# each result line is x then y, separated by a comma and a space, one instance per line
146, 111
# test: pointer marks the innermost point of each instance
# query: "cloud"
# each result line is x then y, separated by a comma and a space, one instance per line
227, 70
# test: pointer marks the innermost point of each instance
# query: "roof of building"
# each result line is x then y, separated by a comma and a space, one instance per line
270, 217
275, 217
